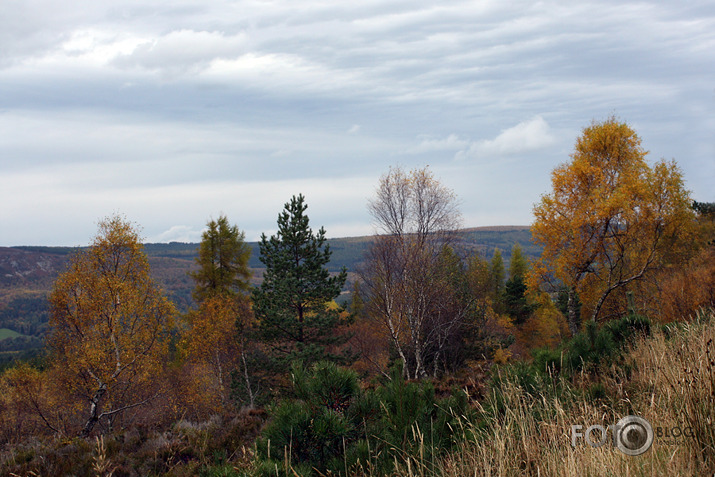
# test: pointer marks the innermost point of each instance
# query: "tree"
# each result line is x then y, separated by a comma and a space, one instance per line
518, 264
705, 218
222, 260
515, 300
610, 220
497, 270
416, 216
292, 304
454, 313
109, 323
497, 279
212, 341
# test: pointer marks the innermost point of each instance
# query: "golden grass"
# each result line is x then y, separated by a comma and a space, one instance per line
669, 379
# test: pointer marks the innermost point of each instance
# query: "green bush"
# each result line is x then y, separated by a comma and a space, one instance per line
628, 327
334, 427
593, 346
315, 427
550, 371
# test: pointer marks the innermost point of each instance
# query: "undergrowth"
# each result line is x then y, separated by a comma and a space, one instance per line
332, 425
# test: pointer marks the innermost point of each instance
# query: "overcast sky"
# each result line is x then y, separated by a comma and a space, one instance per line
175, 112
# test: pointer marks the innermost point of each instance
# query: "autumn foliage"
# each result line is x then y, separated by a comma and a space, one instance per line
429, 318
610, 220
110, 324
212, 344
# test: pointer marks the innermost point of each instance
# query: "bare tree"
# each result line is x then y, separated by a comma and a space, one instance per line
415, 217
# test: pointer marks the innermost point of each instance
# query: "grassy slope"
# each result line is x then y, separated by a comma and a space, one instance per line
668, 379
6, 333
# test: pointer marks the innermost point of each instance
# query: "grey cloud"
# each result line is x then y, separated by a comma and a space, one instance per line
104, 102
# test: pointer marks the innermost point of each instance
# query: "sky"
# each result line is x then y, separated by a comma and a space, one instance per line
173, 113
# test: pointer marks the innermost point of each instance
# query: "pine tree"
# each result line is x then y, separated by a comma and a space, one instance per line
223, 261
292, 304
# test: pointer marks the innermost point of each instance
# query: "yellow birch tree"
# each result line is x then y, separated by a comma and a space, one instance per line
109, 324
610, 220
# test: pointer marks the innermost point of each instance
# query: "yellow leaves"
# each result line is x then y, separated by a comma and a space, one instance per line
109, 322
546, 327
211, 343
610, 217
31, 401
502, 356
213, 328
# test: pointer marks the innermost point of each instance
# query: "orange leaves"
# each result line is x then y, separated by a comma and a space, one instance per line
109, 322
610, 219
212, 338
684, 291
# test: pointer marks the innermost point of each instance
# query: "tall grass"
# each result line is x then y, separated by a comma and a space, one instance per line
669, 379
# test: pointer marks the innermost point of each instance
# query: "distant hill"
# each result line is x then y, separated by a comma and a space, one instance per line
27, 273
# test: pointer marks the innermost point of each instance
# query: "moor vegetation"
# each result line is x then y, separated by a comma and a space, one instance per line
447, 360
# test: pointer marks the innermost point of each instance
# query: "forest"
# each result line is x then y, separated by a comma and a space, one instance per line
588, 350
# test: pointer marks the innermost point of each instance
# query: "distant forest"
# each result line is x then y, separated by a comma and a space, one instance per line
24, 308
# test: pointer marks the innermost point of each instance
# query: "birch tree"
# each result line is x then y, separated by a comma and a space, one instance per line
415, 216
610, 219
109, 324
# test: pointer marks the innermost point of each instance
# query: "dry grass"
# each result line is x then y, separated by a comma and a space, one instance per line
669, 379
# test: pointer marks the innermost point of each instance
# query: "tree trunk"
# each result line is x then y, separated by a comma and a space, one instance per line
574, 320
251, 396
221, 386
93, 411
420, 372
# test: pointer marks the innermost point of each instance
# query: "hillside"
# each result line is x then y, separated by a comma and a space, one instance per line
27, 273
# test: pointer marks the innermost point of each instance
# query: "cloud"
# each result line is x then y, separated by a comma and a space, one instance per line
177, 233
527, 136
183, 50
115, 105
450, 143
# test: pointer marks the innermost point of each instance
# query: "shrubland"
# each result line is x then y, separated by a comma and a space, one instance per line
446, 362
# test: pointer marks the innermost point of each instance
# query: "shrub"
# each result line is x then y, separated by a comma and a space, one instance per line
593, 346
316, 426
334, 427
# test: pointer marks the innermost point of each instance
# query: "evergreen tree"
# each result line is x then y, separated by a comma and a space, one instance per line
518, 264
292, 304
497, 271
514, 299
223, 261
498, 276
515, 302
